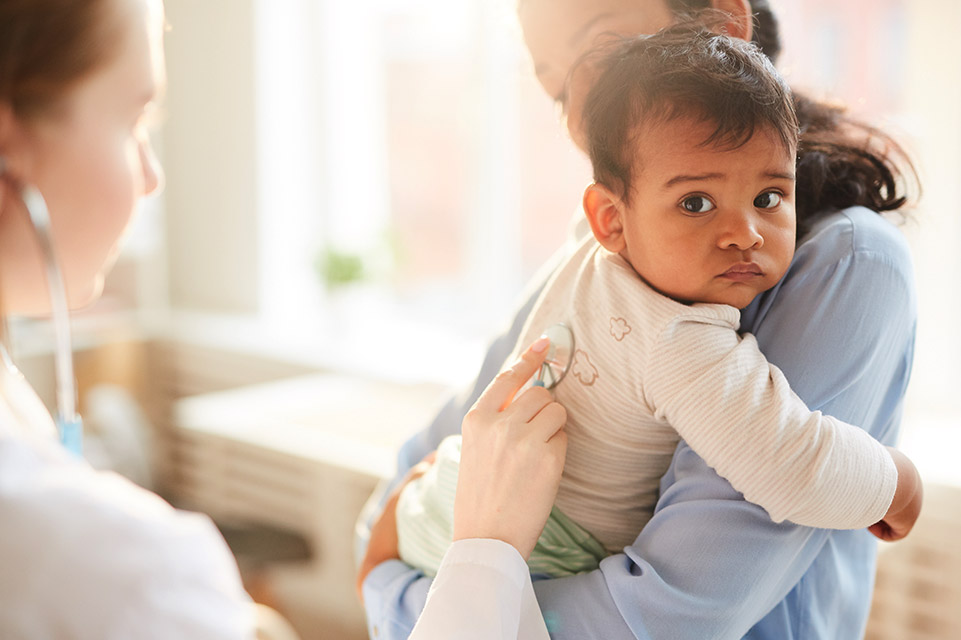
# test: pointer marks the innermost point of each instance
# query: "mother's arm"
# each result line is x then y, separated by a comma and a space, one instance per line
708, 564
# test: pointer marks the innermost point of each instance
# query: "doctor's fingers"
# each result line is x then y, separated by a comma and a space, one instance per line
499, 393
528, 404
548, 425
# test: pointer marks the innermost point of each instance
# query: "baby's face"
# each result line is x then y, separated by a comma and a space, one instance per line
710, 225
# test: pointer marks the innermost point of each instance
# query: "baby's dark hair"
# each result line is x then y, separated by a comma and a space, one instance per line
684, 71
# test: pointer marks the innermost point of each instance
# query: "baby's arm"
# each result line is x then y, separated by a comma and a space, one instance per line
738, 412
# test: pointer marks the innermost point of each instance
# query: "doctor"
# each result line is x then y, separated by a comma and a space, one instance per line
86, 554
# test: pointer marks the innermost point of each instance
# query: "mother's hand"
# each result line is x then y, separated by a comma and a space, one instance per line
512, 456
382, 545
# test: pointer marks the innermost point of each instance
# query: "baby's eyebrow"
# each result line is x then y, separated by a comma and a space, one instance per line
774, 175
777, 175
692, 178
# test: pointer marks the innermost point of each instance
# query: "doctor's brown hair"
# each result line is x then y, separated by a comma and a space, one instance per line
46, 46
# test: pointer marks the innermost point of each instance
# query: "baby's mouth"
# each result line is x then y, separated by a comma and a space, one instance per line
743, 272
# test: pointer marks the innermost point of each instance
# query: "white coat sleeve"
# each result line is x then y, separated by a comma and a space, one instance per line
482, 591
89, 555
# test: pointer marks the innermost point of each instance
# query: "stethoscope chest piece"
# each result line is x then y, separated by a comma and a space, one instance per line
560, 355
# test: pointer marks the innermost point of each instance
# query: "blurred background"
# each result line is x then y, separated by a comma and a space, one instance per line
357, 193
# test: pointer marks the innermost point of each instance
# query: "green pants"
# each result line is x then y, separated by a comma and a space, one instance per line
425, 525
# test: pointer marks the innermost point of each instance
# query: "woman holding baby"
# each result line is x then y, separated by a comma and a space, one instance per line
839, 324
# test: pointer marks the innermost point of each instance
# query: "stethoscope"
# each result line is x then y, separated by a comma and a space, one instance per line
560, 356
69, 423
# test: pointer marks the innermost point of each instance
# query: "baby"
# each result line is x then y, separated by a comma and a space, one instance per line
693, 141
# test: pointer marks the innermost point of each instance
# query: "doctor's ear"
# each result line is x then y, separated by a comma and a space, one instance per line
605, 213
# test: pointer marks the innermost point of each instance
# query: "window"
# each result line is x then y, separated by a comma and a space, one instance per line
410, 176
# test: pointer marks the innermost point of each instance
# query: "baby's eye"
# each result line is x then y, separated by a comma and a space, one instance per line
696, 204
767, 200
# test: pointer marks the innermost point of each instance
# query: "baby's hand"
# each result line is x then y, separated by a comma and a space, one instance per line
906, 505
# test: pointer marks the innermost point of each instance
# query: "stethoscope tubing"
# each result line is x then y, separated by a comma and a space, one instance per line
69, 423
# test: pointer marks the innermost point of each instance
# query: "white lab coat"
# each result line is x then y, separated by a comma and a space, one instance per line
88, 555
482, 591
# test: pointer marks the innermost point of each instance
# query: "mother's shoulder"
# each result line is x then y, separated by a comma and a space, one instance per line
856, 231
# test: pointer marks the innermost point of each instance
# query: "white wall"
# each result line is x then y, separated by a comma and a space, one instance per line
210, 155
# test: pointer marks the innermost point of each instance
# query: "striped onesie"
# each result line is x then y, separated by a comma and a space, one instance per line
648, 371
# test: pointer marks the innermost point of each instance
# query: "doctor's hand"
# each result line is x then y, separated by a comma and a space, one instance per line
512, 456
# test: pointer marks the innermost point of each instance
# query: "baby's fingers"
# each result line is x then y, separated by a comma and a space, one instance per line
884, 531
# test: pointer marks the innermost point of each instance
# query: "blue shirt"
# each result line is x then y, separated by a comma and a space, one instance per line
841, 326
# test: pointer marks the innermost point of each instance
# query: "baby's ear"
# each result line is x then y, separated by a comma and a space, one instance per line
605, 214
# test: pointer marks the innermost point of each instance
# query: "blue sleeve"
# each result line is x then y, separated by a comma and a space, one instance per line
708, 564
